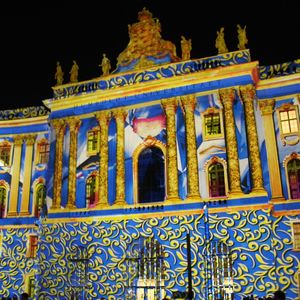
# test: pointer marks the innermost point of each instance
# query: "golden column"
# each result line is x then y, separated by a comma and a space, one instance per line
59, 125
120, 116
266, 107
189, 104
227, 98
29, 140
170, 106
248, 94
103, 118
15, 176
74, 124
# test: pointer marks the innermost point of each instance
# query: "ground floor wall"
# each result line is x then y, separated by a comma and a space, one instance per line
263, 259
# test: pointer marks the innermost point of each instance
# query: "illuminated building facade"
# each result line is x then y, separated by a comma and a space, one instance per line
161, 147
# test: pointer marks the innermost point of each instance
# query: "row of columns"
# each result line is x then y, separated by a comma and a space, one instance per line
188, 104
19, 141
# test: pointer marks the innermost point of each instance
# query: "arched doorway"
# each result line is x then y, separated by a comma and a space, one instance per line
151, 175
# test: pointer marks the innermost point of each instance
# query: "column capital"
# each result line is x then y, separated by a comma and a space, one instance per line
18, 140
247, 92
73, 123
58, 124
30, 139
188, 102
266, 106
227, 96
119, 114
103, 116
169, 103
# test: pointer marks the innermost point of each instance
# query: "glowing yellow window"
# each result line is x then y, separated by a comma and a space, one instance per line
43, 149
296, 235
93, 140
212, 124
32, 244
288, 119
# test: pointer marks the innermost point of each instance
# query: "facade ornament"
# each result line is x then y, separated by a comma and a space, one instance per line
220, 42
267, 109
73, 124
120, 115
242, 37
186, 47
227, 98
248, 95
74, 72
105, 65
59, 126
170, 106
145, 39
103, 118
189, 103
59, 75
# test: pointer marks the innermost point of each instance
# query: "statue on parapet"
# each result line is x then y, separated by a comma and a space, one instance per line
105, 64
220, 42
59, 74
242, 37
74, 72
186, 47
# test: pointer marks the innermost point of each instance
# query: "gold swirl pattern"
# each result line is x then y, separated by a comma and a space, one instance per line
153, 73
292, 67
23, 113
261, 247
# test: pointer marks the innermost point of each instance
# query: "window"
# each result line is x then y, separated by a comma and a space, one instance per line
296, 235
93, 141
212, 124
1, 243
293, 169
29, 285
40, 196
91, 186
3, 195
216, 180
32, 246
218, 271
43, 149
5, 148
288, 117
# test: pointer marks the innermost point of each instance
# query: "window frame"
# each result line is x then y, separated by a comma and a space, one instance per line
96, 134
286, 107
204, 115
285, 162
295, 234
41, 143
32, 245
6, 144
96, 177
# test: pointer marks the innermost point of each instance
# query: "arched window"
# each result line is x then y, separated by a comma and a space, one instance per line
151, 175
3, 195
90, 190
40, 197
293, 169
216, 180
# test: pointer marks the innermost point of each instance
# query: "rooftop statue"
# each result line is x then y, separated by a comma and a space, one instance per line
220, 42
145, 40
59, 75
105, 64
186, 47
74, 72
242, 37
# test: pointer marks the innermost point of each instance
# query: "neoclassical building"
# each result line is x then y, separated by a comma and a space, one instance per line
101, 185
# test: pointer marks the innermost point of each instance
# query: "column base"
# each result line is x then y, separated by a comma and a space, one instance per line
120, 202
24, 213
278, 199
236, 193
193, 197
71, 206
12, 214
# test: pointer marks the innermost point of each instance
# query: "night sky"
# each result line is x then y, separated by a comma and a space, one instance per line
34, 38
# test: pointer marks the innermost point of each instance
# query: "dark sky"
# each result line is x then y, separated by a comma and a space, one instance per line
34, 37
